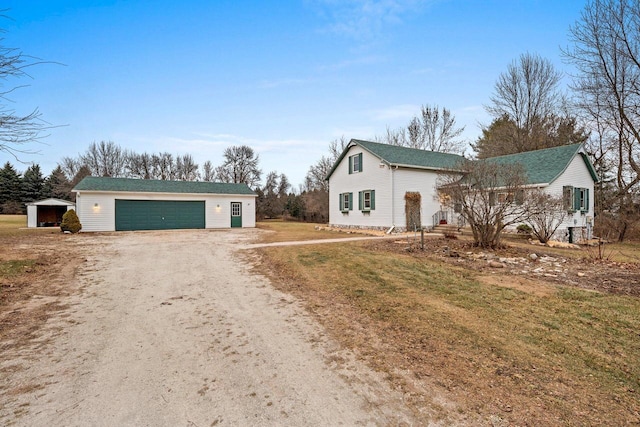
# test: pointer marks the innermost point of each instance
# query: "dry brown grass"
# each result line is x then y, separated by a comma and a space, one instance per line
34, 264
517, 354
288, 231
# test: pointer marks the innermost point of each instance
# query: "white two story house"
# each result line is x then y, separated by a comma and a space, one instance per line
374, 185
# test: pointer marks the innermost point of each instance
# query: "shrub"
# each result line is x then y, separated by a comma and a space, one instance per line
70, 222
524, 229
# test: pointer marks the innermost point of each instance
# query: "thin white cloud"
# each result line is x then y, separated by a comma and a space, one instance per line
271, 84
471, 109
396, 112
364, 60
365, 19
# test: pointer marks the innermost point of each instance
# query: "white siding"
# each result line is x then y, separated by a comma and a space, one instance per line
96, 210
374, 176
576, 175
414, 180
390, 204
218, 211
32, 210
32, 216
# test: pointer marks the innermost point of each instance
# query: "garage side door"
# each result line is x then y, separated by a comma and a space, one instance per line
159, 214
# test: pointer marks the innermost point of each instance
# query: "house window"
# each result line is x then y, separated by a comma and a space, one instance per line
575, 199
346, 202
567, 198
582, 199
517, 197
367, 200
355, 163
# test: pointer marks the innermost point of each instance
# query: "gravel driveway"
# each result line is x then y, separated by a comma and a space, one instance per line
173, 329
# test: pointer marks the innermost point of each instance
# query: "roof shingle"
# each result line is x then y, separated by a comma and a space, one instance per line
541, 166
93, 183
545, 165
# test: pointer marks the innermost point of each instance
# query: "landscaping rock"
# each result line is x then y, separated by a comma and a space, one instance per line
496, 264
533, 257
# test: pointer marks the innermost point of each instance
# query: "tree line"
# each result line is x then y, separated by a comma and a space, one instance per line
528, 111
276, 197
17, 189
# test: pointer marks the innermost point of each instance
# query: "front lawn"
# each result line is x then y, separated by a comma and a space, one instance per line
501, 349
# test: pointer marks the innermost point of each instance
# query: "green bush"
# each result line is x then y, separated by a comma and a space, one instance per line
524, 229
70, 222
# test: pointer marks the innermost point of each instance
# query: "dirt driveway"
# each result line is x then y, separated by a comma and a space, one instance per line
172, 329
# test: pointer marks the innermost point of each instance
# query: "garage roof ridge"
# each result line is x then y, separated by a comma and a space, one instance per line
94, 183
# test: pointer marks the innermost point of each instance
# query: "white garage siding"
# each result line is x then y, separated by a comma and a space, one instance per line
97, 210
96, 200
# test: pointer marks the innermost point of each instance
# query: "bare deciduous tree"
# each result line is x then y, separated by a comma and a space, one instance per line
163, 166
337, 146
394, 137
70, 166
240, 165
546, 214
317, 174
606, 53
140, 166
490, 196
16, 129
186, 168
435, 129
106, 159
527, 91
208, 172
529, 111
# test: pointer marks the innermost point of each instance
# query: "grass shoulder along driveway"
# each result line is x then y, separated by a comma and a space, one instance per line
564, 356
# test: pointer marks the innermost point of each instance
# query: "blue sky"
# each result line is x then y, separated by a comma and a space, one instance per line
284, 77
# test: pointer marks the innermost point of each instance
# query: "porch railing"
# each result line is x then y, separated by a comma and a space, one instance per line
440, 217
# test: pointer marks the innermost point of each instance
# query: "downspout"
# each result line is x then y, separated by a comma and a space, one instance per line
393, 200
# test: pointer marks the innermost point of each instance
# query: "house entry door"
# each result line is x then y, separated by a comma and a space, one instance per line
236, 214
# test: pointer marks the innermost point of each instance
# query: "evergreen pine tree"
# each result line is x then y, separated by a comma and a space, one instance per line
10, 189
57, 185
32, 184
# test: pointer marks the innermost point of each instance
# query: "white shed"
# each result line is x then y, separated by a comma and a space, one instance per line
124, 204
47, 213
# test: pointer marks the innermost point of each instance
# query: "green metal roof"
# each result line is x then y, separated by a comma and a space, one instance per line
541, 166
403, 156
544, 166
93, 183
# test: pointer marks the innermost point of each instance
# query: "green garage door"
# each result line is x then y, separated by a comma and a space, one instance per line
158, 215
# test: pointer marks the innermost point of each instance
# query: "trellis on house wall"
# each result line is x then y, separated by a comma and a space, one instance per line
412, 210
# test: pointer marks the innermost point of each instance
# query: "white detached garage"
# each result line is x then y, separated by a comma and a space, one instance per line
123, 204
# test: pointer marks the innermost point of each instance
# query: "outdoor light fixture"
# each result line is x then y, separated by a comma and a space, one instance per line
218, 208
96, 207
